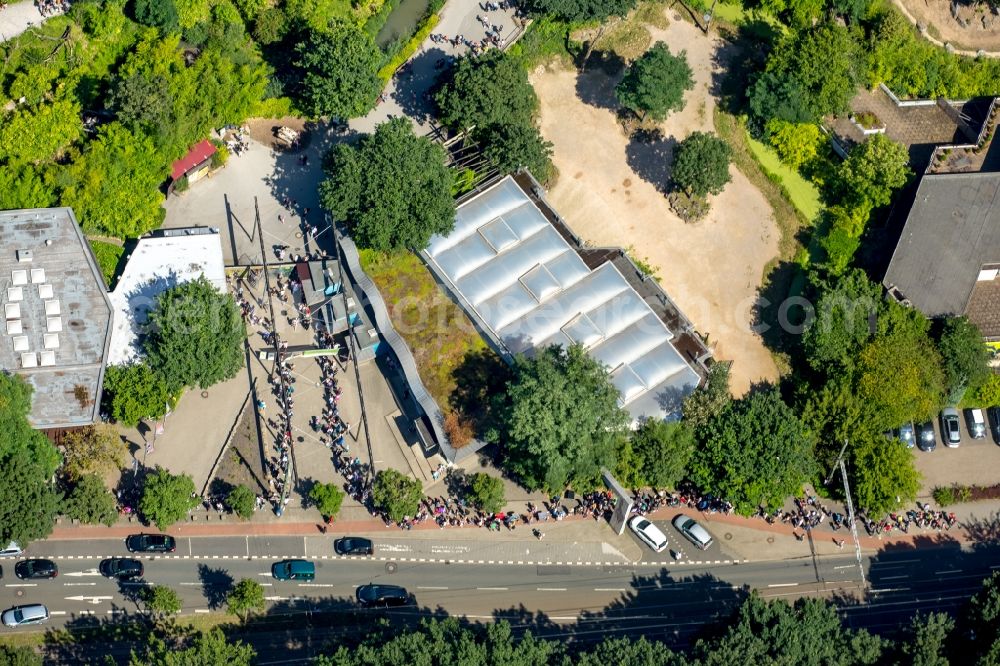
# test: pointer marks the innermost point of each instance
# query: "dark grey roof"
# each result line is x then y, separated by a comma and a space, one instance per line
953, 229
57, 315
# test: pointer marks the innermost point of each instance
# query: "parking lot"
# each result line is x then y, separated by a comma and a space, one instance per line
973, 462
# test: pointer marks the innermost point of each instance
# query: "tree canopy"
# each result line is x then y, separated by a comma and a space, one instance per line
484, 90
511, 147
578, 11
562, 421
393, 189
246, 597
328, 498
28, 500
487, 492
31, 135
655, 83
874, 170
91, 502
134, 392
195, 335
208, 648
16, 432
241, 501
166, 498
844, 316
964, 355
883, 475
663, 451
754, 452
701, 165
396, 494
339, 72
92, 449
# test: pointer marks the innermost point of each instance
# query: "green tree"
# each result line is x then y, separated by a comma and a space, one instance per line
114, 187
242, 501
755, 452
161, 600
795, 143
24, 187
701, 166
328, 498
562, 421
709, 399
663, 451
809, 633
511, 147
778, 97
393, 189
97, 449
134, 392
166, 498
900, 379
874, 170
271, 26
91, 502
246, 597
655, 83
484, 90
209, 648
883, 471
19, 655
339, 72
396, 494
195, 335
160, 14
142, 102
31, 135
987, 393
844, 315
29, 501
925, 640
964, 355
981, 622
17, 433
487, 492
629, 652
580, 11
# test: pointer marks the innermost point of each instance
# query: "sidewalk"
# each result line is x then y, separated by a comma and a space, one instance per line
18, 17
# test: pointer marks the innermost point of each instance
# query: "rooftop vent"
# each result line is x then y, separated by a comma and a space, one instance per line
15, 294
29, 360
12, 310
51, 308
45, 291
373, 333
14, 327
48, 358
37, 275
24, 256
53, 324
21, 343
51, 340
19, 277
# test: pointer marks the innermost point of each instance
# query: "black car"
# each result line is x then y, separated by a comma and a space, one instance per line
36, 569
993, 419
122, 568
353, 546
926, 439
151, 543
382, 596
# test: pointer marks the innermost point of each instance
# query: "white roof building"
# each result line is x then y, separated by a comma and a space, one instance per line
528, 287
165, 259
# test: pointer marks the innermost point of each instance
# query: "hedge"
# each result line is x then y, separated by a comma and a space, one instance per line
409, 48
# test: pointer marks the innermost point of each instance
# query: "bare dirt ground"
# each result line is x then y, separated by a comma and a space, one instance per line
976, 26
610, 192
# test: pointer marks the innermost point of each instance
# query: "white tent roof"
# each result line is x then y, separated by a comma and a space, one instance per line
156, 264
531, 289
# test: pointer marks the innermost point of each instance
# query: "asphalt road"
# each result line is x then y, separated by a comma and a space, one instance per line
585, 601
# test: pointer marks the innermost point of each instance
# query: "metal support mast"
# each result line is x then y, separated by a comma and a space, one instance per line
850, 509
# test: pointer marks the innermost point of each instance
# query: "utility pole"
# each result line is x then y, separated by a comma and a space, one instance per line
850, 509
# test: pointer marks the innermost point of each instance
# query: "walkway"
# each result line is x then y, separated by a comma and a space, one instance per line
18, 17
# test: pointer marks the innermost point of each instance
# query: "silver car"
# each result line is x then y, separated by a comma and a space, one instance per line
693, 532
22, 615
13, 549
648, 533
951, 433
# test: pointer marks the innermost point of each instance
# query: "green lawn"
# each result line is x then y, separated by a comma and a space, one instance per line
107, 255
803, 194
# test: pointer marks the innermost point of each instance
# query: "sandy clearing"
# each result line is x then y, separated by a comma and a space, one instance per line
711, 269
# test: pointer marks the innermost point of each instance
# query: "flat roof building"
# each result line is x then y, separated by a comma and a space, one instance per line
159, 261
57, 316
529, 283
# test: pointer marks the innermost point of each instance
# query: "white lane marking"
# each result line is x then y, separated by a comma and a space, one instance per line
89, 600
498, 589
431, 587
276, 598
609, 589
78, 584
88, 572
194, 584
315, 584
551, 589
21, 585
57, 612
267, 584
949, 571
782, 584
845, 566
995, 566
892, 589
268, 574
202, 610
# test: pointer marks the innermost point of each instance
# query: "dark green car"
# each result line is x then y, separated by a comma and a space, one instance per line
293, 570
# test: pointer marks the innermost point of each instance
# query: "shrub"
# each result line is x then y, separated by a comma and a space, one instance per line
943, 496
241, 501
328, 498
458, 430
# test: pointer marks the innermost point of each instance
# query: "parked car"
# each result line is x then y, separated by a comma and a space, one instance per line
975, 423
13, 549
906, 435
693, 532
150, 543
648, 533
353, 546
36, 569
993, 418
926, 439
382, 596
294, 570
951, 432
122, 568
28, 614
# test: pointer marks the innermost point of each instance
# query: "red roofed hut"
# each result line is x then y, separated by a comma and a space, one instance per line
194, 165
